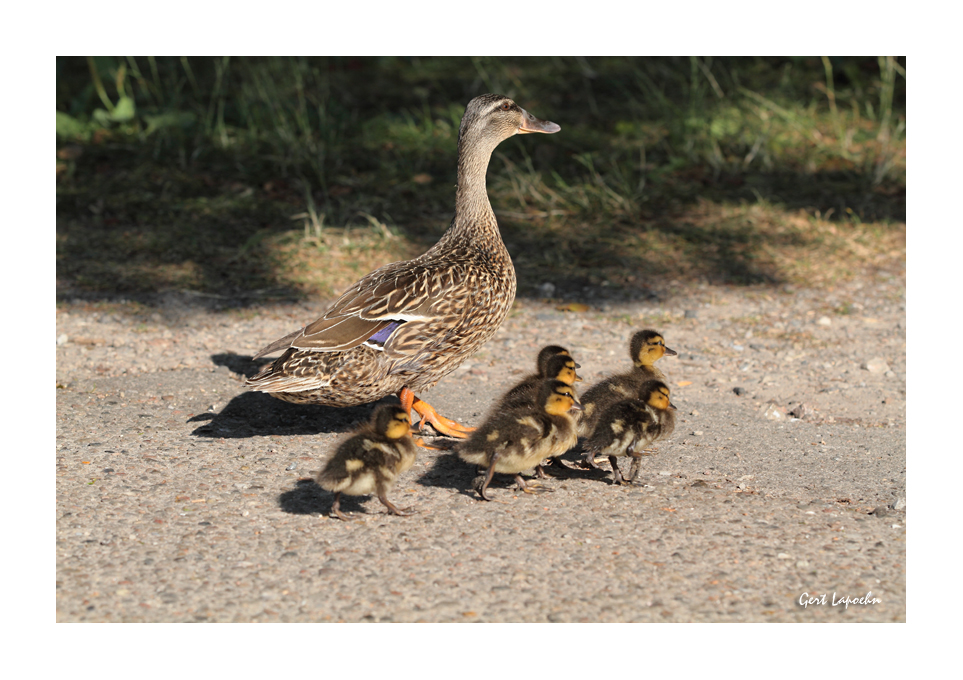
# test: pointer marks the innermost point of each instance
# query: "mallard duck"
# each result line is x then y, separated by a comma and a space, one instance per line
404, 326
645, 348
627, 427
519, 439
557, 366
371, 459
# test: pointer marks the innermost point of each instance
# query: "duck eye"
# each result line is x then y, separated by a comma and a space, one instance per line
506, 106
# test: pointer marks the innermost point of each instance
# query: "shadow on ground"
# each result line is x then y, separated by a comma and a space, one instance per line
254, 414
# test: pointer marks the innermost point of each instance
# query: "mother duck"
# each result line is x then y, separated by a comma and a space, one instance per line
405, 326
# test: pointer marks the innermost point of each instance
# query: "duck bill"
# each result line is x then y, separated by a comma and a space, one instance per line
670, 352
672, 406
531, 124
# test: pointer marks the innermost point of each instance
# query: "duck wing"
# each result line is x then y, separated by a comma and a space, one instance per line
376, 306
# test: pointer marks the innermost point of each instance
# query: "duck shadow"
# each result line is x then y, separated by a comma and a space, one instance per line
253, 414
307, 498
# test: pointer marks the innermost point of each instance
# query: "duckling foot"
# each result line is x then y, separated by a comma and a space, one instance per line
531, 487
616, 471
588, 461
481, 483
392, 509
336, 508
635, 469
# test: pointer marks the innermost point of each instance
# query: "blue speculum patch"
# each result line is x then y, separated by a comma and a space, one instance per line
381, 337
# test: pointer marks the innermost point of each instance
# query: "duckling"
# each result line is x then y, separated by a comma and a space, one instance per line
627, 427
557, 366
371, 459
645, 348
518, 439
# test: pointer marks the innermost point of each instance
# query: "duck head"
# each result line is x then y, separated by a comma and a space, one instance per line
647, 347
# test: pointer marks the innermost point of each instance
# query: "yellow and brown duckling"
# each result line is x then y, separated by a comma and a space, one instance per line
371, 459
557, 367
645, 348
518, 439
627, 427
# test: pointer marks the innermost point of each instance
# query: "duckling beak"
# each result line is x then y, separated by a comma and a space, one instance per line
576, 406
672, 406
532, 124
578, 378
670, 352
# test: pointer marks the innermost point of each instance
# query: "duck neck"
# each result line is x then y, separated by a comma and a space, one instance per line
474, 219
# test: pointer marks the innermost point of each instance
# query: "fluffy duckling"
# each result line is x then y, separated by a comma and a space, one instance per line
557, 367
627, 427
645, 348
518, 439
371, 459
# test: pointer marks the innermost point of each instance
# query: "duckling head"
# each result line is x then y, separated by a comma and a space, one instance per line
547, 353
392, 421
494, 118
562, 367
557, 398
647, 347
655, 393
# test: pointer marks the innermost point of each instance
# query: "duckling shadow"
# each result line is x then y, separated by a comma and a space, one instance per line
449, 472
307, 498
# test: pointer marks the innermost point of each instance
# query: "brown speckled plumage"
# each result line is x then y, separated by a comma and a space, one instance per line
627, 427
519, 438
645, 348
439, 308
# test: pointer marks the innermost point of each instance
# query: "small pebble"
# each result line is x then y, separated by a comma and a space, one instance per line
875, 365
738, 348
783, 556
697, 433
62, 339
691, 314
739, 391
292, 466
773, 412
824, 321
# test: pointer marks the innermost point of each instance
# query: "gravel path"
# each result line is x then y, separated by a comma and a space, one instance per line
183, 497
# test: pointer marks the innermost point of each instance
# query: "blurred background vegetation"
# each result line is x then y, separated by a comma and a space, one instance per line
251, 179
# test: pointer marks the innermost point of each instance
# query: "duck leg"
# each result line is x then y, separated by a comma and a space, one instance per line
531, 487
635, 469
588, 460
336, 507
392, 510
483, 491
429, 415
616, 471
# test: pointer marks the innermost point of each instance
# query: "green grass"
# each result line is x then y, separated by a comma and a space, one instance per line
262, 178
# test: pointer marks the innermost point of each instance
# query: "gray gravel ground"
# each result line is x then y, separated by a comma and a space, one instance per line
183, 497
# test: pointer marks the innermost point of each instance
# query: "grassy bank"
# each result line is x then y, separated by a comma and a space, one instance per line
278, 178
